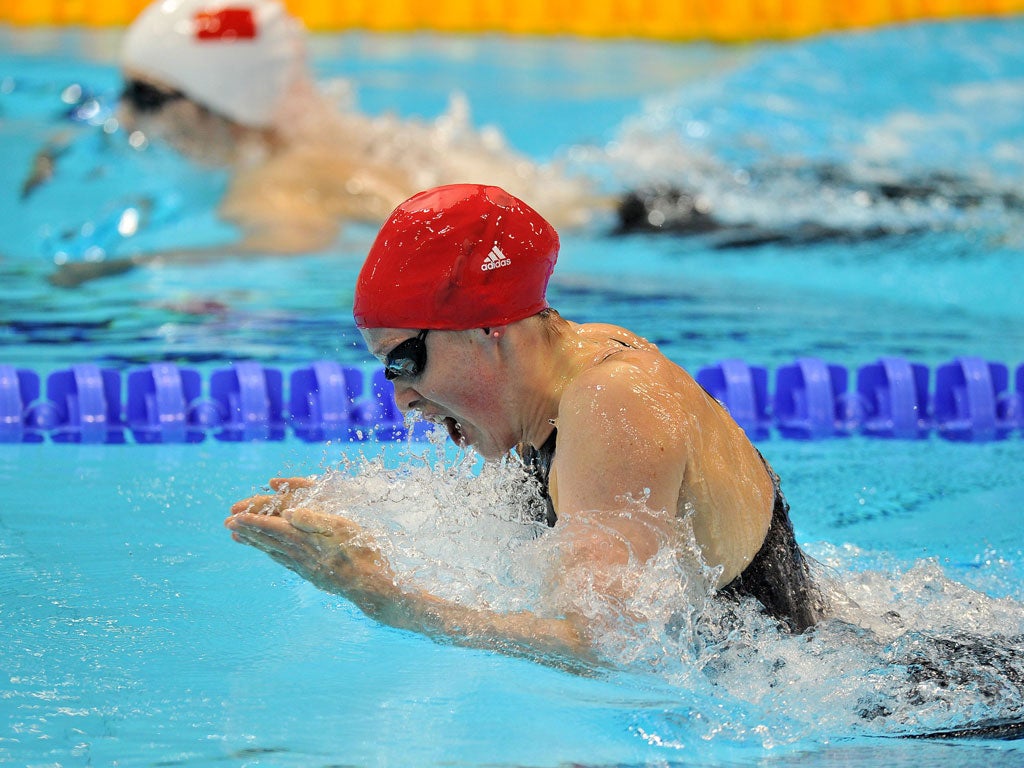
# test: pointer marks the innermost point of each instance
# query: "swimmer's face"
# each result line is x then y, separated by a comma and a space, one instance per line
458, 387
162, 113
144, 97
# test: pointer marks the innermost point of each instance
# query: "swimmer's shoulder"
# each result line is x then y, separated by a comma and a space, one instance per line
608, 333
636, 381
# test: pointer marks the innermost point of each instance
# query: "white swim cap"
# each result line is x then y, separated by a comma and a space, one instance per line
235, 57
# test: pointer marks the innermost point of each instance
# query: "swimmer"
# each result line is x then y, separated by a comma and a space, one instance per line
684, 211
227, 85
451, 299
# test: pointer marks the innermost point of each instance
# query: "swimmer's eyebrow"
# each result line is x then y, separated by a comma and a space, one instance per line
381, 350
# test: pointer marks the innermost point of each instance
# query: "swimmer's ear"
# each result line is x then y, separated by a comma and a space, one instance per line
495, 332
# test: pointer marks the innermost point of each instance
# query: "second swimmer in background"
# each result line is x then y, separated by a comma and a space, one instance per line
229, 85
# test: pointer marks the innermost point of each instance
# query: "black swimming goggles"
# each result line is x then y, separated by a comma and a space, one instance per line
146, 97
407, 359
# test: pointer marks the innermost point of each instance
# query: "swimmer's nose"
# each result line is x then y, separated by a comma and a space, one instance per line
406, 397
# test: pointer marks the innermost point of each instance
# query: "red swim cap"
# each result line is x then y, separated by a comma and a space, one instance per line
457, 257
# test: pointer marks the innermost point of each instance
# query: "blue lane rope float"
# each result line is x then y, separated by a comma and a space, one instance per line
970, 400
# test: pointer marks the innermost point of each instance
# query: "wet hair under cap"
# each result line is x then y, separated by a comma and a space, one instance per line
457, 257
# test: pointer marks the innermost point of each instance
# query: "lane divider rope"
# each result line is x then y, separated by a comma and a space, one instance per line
968, 399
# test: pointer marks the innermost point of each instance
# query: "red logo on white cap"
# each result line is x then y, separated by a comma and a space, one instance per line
226, 24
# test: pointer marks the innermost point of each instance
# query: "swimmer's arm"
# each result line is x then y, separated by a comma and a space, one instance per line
337, 556
560, 641
44, 163
265, 241
620, 433
72, 274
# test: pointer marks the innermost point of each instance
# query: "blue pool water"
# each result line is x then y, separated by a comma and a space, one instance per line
137, 633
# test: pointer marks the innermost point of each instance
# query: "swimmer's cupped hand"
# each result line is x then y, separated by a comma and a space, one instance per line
264, 504
331, 552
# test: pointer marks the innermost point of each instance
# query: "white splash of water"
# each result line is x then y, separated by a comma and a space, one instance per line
906, 651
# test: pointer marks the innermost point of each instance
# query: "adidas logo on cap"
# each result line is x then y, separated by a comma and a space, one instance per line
495, 260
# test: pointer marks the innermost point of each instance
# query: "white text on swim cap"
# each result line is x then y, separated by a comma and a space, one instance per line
495, 260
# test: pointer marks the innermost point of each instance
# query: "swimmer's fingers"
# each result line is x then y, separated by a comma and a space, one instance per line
302, 532
289, 490
299, 552
275, 536
280, 484
251, 527
349, 561
257, 505
326, 550
311, 521
267, 504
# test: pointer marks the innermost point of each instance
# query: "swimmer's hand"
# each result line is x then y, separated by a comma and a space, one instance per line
44, 164
336, 555
74, 273
329, 551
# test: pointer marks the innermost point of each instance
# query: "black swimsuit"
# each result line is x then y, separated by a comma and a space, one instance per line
778, 576
538, 464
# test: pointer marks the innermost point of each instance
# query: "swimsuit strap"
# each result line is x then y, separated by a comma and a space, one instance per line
538, 464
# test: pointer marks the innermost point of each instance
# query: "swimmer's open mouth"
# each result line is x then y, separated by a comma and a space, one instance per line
454, 430
454, 427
